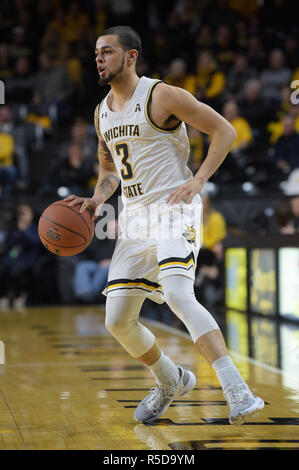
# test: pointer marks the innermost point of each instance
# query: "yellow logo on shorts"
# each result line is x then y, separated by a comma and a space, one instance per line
190, 234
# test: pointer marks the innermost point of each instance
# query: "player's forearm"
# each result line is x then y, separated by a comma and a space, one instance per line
107, 184
220, 145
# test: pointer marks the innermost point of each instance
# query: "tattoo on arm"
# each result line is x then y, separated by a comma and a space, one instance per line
109, 184
104, 151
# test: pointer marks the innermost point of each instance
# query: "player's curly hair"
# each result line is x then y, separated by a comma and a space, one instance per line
127, 36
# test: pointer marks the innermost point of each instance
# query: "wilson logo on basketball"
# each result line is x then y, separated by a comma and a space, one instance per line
53, 234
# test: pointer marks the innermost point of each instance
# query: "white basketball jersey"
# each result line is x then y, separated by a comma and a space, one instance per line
151, 161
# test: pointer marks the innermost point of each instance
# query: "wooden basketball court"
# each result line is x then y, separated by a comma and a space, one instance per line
67, 384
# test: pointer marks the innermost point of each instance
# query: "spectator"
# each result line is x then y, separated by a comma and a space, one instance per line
22, 247
295, 212
6, 68
80, 136
209, 82
72, 66
58, 25
72, 174
8, 171
208, 282
100, 16
239, 74
205, 38
286, 149
287, 215
91, 273
160, 52
20, 46
224, 48
244, 134
275, 77
50, 42
177, 75
251, 101
183, 21
214, 227
256, 53
241, 35
295, 75
75, 22
122, 11
53, 87
287, 211
19, 87
45, 11
24, 136
275, 128
221, 14
26, 21
275, 16
143, 68
196, 141
291, 51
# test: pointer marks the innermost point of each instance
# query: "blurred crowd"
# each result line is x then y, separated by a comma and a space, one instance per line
240, 57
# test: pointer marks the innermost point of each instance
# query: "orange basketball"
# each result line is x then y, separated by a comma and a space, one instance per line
63, 230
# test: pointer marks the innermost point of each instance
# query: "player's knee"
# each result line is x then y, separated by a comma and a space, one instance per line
114, 323
180, 301
173, 298
119, 324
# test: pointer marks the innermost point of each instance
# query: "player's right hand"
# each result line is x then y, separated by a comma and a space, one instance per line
92, 203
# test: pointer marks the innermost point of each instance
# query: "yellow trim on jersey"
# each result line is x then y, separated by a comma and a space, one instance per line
151, 123
133, 284
178, 262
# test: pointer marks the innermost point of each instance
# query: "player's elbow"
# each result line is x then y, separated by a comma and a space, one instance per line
231, 133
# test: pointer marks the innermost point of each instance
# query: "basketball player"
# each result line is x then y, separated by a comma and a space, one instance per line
143, 143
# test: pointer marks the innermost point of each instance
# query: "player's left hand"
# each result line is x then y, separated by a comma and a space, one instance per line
186, 192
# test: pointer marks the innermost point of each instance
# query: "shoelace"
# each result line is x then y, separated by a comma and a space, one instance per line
236, 395
156, 392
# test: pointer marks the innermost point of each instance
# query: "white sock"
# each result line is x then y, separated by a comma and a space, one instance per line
165, 371
227, 372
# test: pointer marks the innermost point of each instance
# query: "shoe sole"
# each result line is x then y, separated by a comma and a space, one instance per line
187, 388
257, 406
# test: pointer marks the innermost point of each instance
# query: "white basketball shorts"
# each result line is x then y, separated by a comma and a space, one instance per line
154, 241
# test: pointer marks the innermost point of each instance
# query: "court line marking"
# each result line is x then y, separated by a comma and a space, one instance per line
171, 329
168, 329
51, 364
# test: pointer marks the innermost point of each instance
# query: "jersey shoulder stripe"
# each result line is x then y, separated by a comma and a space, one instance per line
147, 114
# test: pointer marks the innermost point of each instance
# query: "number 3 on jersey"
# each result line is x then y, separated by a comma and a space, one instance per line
122, 150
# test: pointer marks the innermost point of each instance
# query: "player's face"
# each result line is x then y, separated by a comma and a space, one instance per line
110, 58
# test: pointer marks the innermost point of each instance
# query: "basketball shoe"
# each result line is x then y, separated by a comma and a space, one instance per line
161, 396
242, 403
